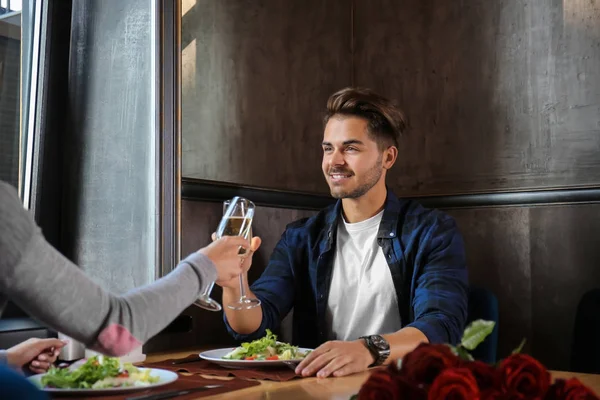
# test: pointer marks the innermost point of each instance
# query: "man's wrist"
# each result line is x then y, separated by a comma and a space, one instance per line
379, 347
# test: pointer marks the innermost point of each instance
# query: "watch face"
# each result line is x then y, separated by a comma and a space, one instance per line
379, 342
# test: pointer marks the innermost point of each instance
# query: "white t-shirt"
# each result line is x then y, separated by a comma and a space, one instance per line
362, 298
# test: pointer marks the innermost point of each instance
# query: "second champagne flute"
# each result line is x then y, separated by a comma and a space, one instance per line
230, 225
244, 213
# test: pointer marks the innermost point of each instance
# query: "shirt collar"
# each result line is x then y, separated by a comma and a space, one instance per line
388, 228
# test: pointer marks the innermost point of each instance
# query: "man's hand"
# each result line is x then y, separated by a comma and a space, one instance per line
336, 358
245, 263
38, 354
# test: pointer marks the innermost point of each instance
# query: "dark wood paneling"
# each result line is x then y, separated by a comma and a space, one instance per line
498, 258
199, 220
539, 261
501, 94
256, 77
565, 264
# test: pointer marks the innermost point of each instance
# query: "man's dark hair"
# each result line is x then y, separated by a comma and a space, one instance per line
386, 122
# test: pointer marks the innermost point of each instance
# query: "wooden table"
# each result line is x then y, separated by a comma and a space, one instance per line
330, 388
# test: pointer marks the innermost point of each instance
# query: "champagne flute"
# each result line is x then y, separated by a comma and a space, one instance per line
236, 221
205, 301
243, 214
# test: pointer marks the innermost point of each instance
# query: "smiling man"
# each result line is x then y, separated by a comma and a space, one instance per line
370, 277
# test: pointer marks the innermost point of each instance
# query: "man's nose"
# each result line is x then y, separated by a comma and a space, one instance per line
336, 158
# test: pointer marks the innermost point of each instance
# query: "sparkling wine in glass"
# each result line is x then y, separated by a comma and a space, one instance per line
240, 221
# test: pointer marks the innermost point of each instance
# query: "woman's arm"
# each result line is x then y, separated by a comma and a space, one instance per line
53, 290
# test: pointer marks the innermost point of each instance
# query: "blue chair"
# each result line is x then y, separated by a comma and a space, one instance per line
483, 304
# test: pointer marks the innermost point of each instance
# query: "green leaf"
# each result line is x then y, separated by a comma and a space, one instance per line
454, 349
476, 333
464, 354
520, 348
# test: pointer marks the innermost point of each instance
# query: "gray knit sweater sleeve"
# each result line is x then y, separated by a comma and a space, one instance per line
56, 292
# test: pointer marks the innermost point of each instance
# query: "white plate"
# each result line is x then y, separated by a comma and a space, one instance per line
165, 377
216, 356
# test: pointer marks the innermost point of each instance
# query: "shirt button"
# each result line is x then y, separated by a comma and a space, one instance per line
321, 296
391, 233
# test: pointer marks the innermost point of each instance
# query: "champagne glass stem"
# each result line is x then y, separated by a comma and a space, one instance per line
242, 287
209, 289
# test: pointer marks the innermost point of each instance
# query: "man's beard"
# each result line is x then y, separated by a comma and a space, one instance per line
370, 179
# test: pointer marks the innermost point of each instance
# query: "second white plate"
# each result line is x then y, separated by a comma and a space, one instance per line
216, 356
164, 377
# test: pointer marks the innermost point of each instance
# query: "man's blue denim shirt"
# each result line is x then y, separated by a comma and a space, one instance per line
425, 253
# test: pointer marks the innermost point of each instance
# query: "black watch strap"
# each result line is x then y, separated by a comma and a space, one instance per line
379, 347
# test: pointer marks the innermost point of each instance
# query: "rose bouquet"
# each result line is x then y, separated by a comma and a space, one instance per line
439, 371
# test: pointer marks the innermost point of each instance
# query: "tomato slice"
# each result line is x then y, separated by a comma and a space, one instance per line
275, 357
123, 374
250, 358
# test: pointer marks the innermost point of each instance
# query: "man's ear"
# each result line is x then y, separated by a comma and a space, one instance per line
389, 157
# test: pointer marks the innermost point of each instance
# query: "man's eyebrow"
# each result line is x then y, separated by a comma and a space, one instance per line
345, 143
352, 141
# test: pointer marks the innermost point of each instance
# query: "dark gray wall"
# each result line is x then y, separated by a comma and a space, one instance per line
256, 75
502, 95
539, 261
109, 189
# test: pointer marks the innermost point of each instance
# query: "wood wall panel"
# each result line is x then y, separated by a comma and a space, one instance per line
539, 261
565, 264
256, 77
498, 258
501, 94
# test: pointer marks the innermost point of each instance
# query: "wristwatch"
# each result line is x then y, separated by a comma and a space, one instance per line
379, 347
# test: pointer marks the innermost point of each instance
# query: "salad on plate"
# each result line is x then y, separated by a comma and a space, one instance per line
98, 372
266, 349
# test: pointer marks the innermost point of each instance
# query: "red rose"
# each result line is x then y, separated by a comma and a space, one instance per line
454, 384
487, 376
384, 384
424, 364
523, 377
492, 394
571, 389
